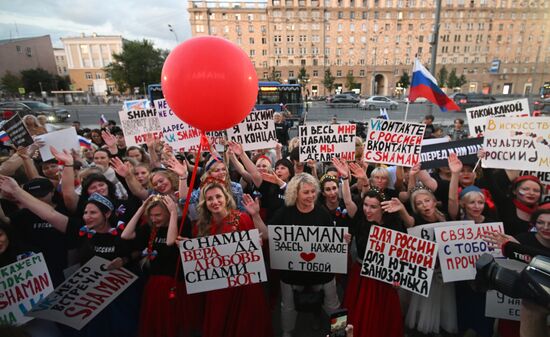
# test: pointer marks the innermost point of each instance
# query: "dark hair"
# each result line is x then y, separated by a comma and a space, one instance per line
97, 177
104, 150
460, 120
117, 131
111, 122
538, 212
374, 193
295, 154
288, 164
430, 117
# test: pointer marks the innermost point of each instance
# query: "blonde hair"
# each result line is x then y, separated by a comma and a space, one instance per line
429, 193
380, 170
204, 222
294, 185
172, 177
293, 143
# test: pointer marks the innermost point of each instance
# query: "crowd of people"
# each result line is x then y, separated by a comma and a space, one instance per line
67, 208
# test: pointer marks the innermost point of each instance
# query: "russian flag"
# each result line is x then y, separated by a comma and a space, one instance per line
103, 120
384, 114
85, 142
4, 137
425, 85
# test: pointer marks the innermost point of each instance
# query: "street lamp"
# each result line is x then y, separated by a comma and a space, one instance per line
174, 32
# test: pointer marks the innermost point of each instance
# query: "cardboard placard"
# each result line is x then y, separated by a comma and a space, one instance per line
322, 142
308, 248
461, 246
544, 178
84, 295
394, 142
426, 232
222, 261
17, 131
434, 156
138, 104
23, 284
180, 135
137, 124
255, 132
64, 139
398, 258
480, 115
517, 143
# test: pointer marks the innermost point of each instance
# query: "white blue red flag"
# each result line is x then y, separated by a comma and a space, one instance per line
425, 85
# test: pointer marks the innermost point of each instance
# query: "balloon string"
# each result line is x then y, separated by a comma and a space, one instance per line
203, 143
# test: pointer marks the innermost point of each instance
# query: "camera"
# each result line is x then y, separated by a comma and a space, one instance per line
532, 283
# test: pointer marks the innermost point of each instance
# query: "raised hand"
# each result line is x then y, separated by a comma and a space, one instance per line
414, 170
64, 156
120, 168
175, 166
8, 185
252, 206
341, 166
170, 204
392, 206
23, 152
357, 171
497, 239
455, 165
481, 153
272, 178
108, 138
235, 147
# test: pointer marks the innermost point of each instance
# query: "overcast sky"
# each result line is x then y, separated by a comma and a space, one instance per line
133, 19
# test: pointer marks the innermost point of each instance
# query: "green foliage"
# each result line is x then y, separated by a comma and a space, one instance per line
138, 63
328, 81
454, 81
38, 79
274, 75
405, 80
350, 81
442, 77
303, 77
11, 83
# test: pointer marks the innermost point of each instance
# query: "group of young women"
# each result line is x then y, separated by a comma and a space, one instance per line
128, 209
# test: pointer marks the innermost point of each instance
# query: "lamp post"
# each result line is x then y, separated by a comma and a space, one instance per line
173, 32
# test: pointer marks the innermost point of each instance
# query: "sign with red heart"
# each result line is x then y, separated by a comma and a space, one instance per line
307, 256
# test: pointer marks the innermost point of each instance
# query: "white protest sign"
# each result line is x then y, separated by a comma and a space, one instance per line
497, 304
222, 261
480, 115
84, 295
517, 143
398, 258
64, 139
394, 142
138, 104
180, 135
461, 246
308, 248
255, 132
23, 284
137, 124
544, 178
426, 232
322, 142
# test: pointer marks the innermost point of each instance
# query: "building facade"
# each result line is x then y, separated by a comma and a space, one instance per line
500, 46
27, 53
61, 61
87, 56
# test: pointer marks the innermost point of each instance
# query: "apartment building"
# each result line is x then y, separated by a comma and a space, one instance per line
61, 61
501, 46
26, 53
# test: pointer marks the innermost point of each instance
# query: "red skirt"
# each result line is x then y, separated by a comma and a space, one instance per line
162, 317
237, 312
373, 306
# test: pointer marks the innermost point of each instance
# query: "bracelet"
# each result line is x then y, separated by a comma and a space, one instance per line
345, 178
72, 165
183, 178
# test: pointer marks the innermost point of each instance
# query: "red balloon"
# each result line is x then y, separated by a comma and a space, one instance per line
209, 83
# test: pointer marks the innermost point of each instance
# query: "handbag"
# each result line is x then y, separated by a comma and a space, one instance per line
308, 300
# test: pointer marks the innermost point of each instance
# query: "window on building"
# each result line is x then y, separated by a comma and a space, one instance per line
339, 73
315, 73
252, 52
97, 76
291, 73
251, 40
88, 75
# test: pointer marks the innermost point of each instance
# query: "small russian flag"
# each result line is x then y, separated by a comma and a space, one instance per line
4, 137
384, 114
85, 142
103, 120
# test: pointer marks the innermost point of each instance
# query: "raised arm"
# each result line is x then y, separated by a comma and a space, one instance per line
253, 208
344, 172
28, 164
255, 175
125, 170
110, 141
455, 165
172, 234
152, 150
129, 232
181, 170
70, 198
246, 178
396, 206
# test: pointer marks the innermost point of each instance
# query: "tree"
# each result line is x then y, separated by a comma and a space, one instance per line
328, 81
139, 63
274, 75
350, 81
442, 77
405, 80
455, 81
11, 83
303, 77
37, 80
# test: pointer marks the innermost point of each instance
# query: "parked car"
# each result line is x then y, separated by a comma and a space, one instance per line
377, 102
344, 98
465, 101
417, 100
8, 109
542, 108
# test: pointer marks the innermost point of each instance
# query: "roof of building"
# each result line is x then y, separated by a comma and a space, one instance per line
20, 39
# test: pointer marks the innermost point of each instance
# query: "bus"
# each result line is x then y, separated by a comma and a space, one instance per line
545, 90
271, 95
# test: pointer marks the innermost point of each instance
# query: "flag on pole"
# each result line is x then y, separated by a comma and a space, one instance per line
84, 142
103, 120
425, 85
4, 137
384, 114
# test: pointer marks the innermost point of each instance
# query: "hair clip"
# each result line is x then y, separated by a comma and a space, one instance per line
420, 187
212, 180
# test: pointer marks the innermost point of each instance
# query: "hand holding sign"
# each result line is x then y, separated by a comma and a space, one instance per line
65, 156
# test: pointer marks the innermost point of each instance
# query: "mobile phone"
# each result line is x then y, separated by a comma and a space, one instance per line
338, 323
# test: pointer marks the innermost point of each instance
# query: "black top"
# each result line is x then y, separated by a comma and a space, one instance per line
272, 197
281, 130
292, 216
339, 216
360, 229
529, 239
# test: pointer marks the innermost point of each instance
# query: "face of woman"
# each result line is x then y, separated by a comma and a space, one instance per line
135, 154
88, 154
528, 192
466, 176
102, 159
98, 187
380, 181
93, 218
474, 206
142, 175
306, 196
4, 241
51, 171
277, 118
96, 138
218, 171
282, 172
425, 205
543, 226
215, 201
158, 216
263, 166
330, 191
372, 209
161, 184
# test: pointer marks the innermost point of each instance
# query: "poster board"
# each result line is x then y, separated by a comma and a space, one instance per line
308, 248
222, 261
64, 139
394, 142
479, 116
180, 135
436, 155
137, 104
137, 124
426, 232
17, 131
322, 142
255, 132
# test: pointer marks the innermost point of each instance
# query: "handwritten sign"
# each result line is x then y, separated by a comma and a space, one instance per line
480, 115
257, 131
23, 284
84, 295
398, 258
138, 104
461, 246
322, 142
137, 124
426, 232
544, 178
394, 142
434, 156
64, 139
180, 135
18, 133
222, 261
518, 143
308, 248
